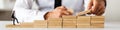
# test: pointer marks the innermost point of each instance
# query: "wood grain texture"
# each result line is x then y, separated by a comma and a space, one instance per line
40, 24
97, 25
54, 23
69, 17
97, 19
64, 22
12, 26
83, 19
26, 25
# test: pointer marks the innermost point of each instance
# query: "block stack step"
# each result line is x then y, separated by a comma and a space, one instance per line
40, 24
69, 21
55, 23
83, 22
64, 22
97, 21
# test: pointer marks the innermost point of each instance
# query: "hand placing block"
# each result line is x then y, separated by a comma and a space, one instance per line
26, 25
40, 23
83, 21
54, 22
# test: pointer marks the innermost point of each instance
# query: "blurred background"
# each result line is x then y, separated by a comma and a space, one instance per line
112, 14
112, 11
6, 7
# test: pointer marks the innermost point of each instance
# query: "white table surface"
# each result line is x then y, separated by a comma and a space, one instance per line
109, 25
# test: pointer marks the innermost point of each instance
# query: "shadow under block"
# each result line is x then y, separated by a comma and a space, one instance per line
97, 21
55, 23
69, 21
12, 26
26, 25
83, 22
40, 24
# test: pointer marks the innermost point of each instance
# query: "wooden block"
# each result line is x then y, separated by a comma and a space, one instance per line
83, 20
54, 19
97, 25
97, 19
70, 20
40, 24
54, 26
69, 26
55, 23
69, 23
96, 22
83, 25
68, 17
26, 25
12, 26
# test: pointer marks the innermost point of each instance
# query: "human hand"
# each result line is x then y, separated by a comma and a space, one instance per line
97, 7
58, 12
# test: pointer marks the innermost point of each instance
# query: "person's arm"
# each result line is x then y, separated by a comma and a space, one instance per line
23, 10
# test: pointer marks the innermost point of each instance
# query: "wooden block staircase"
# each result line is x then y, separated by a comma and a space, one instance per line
64, 22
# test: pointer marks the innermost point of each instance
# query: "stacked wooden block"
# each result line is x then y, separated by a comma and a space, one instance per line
69, 21
26, 25
40, 24
83, 22
97, 21
64, 22
12, 26
55, 23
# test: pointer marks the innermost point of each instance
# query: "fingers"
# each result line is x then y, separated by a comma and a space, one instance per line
99, 8
66, 13
101, 11
95, 7
90, 4
63, 10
